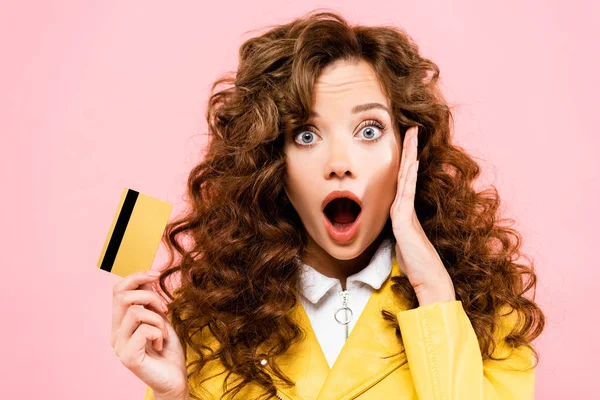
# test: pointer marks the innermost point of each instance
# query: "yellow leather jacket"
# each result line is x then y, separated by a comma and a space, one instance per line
444, 359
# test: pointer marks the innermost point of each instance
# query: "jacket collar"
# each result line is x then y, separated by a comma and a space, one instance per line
372, 338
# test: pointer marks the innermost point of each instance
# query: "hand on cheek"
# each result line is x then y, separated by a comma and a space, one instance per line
417, 257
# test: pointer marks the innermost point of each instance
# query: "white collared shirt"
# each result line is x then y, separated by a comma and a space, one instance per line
320, 297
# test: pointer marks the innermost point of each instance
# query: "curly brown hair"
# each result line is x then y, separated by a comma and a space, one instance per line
239, 267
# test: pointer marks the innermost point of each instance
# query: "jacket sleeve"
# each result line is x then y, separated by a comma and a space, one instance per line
446, 363
149, 394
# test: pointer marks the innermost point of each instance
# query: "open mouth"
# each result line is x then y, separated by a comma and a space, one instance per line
342, 211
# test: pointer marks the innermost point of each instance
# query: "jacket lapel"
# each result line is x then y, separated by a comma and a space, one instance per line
304, 362
372, 350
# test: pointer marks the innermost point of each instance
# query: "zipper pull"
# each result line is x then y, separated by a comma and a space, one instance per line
344, 294
347, 311
343, 315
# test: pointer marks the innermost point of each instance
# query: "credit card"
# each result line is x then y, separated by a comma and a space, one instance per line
135, 233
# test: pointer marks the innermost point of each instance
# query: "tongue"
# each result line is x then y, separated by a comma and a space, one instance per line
343, 217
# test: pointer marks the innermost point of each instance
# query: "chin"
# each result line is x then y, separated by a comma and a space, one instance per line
345, 251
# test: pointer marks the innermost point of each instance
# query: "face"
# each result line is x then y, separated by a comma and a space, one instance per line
341, 148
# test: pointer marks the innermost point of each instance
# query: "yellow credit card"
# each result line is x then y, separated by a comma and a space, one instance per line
135, 233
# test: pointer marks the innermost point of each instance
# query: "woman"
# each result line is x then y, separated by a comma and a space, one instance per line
322, 259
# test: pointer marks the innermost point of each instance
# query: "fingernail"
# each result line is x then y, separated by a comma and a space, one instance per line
154, 273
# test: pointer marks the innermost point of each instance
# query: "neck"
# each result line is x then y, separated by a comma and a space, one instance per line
326, 264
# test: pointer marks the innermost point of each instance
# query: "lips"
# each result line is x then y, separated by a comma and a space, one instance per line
346, 226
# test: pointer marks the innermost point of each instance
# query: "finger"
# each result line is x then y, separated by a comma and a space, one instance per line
133, 281
124, 300
407, 203
147, 298
132, 352
408, 154
155, 287
409, 150
125, 335
399, 184
137, 315
405, 148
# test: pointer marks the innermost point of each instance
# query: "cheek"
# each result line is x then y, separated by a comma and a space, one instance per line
383, 176
290, 173
297, 176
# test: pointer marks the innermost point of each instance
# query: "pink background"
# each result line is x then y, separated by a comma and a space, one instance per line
99, 96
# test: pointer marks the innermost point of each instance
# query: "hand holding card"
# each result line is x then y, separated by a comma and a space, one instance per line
141, 334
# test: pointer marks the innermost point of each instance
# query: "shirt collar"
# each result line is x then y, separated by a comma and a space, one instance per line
314, 285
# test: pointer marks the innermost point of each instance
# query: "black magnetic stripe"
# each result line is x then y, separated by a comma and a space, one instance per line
120, 227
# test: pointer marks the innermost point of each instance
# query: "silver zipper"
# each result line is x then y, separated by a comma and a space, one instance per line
344, 294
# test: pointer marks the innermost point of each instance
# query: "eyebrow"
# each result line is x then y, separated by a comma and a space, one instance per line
358, 108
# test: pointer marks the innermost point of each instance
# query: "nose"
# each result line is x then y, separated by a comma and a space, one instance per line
339, 161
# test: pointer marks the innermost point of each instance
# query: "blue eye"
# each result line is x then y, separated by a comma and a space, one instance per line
306, 135
371, 132
370, 124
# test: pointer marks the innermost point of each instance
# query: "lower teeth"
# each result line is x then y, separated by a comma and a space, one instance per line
342, 226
